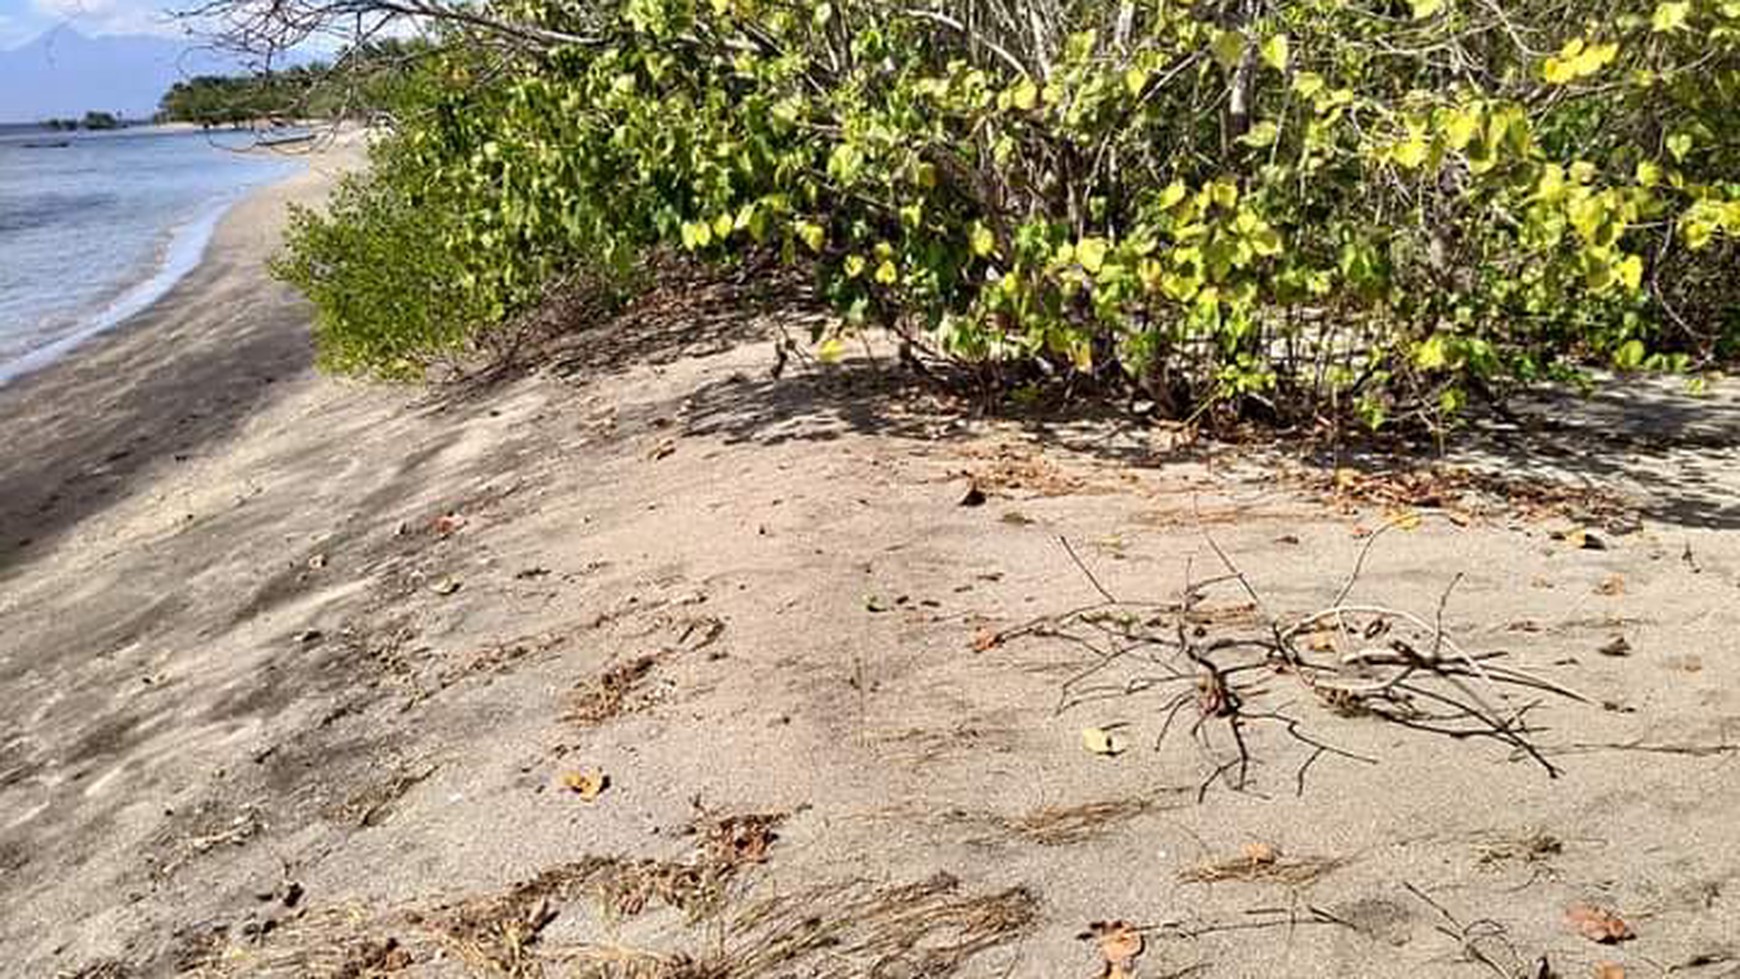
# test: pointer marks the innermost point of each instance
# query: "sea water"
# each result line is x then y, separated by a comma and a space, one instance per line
96, 230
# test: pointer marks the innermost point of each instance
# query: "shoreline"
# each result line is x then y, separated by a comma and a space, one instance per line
186, 248
185, 365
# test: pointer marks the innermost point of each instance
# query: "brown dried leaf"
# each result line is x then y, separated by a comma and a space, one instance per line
1119, 943
1613, 586
1609, 970
446, 524
587, 783
984, 639
1597, 924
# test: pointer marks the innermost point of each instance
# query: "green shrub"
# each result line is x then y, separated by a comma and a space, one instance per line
1292, 208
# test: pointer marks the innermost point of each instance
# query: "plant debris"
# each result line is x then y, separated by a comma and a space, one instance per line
1118, 943
1102, 741
605, 696
1597, 924
587, 783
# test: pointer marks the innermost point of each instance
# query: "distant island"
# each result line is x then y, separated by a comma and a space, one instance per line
92, 120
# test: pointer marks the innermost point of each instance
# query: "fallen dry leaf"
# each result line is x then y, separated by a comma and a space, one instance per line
1597, 924
1612, 586
446, 524
1403, 519
1260, 853
1119, 943
587, 783
1609, 970
1101, 741
1322, 641
984, 639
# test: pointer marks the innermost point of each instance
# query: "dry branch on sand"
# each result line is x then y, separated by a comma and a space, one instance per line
1217, 663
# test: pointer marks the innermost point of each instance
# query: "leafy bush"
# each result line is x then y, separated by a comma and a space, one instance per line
1291, 208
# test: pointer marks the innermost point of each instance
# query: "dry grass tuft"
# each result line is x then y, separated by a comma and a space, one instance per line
1064, 825
1262, 863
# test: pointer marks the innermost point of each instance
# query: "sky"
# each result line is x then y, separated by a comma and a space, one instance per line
22, 20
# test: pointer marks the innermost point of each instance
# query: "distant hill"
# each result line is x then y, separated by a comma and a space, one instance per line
64, 74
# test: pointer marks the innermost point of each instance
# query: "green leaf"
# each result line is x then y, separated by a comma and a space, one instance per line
1679, 144
1426, 8
1024, 95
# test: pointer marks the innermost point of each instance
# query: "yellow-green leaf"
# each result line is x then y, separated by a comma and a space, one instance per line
1410, 152
1101, 741
1426, 8
983, 241
1431, 355
1308, 83
887, 274
1135, 80
1024, 95
1629, 355
1630, 270
1670, 17
1091, 253
1228, 48
813, 235
1262, 135
1276, 52
830, 351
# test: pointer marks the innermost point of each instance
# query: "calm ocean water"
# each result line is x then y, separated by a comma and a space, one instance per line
93, 232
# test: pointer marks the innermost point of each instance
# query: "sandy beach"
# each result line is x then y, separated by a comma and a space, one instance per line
652, 664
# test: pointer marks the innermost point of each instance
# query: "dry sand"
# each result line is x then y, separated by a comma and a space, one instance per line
296, 674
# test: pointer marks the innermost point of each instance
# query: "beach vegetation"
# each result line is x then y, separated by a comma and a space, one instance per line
1289, 210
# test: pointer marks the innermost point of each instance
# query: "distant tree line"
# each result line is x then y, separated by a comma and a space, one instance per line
353, 84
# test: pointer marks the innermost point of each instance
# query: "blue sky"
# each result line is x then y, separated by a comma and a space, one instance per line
21, 20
